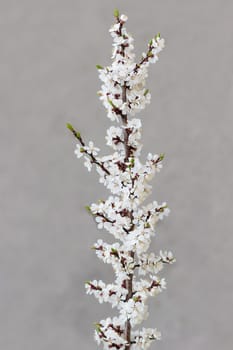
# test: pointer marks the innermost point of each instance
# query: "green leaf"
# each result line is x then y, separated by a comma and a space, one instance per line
113, 250
69, 126
98, 66
131, 163
111, 103
136, 299
116, 13
97, 327
88, 208
161, 156
146, 92
78, 135
158, 36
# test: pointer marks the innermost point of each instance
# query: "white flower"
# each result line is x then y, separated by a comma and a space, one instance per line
123, 18
100, 222
145, 337
114, 137
95, 208
134, 123
149, 263
79, 151
161, 43
91, 149
114, 28
88, 163
135, 311
167, 257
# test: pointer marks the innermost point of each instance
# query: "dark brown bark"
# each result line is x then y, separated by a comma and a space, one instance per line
129, 282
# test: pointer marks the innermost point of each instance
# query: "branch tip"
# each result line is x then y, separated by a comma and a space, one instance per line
161, 156
75, 133
70, 127
116, 13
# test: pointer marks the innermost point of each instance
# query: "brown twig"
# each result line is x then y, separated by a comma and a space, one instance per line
129, 282
77, 135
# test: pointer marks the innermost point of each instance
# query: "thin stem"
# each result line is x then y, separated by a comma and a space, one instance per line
129, 285
93, 158
129, 282
145, 59
124, 121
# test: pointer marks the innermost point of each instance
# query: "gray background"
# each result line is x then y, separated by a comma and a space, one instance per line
49, 50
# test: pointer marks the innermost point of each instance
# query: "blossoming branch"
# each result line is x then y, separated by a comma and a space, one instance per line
123, 215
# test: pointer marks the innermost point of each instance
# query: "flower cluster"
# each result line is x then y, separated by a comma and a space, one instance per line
122, 214
125, 72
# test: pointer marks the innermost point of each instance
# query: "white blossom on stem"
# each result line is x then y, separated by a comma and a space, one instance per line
123, 215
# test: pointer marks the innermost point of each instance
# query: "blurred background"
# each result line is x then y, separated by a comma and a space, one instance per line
49, 49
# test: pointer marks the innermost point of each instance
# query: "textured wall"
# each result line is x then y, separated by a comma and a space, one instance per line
49, 49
